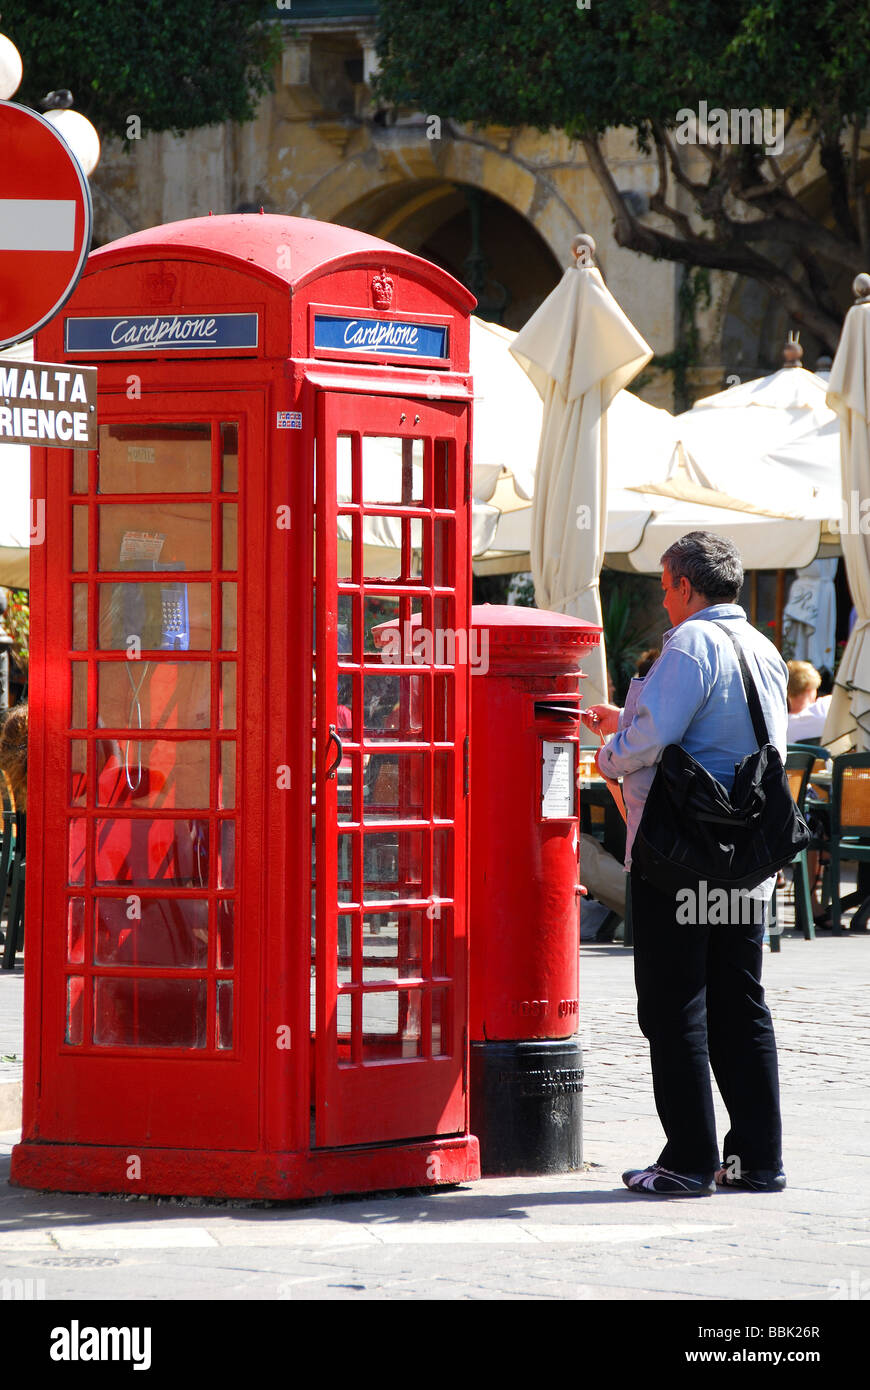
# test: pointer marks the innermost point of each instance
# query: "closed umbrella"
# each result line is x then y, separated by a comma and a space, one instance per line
848, 722
579, 349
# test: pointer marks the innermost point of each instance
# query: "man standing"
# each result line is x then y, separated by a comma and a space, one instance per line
700, 1000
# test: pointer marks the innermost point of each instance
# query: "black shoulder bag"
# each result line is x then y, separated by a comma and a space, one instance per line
692, 830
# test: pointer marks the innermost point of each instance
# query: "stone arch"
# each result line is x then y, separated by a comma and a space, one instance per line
416, 192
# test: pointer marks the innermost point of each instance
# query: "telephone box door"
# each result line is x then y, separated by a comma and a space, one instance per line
390, 775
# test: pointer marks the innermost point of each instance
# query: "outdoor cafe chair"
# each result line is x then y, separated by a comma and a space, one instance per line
850, 824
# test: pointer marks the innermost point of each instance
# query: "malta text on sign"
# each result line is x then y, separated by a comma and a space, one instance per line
48, 404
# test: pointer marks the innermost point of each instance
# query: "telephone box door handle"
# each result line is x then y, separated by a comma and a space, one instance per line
333, 738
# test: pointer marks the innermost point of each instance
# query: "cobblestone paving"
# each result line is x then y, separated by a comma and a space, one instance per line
567, 1236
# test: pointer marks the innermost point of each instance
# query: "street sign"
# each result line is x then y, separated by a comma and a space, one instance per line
45, 222
49, 404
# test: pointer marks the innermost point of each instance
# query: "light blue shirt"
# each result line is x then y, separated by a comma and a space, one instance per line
694, 696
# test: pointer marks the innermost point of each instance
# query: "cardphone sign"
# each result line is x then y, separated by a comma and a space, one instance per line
45, 222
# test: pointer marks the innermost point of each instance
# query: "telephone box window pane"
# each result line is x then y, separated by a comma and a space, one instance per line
155, 458
442, 935
149, 1013
227, 789
80, 618
393, 708
229, 458
442, 475
80, 538
78, 771
392, 471
442, 772
75, 990
229, 641
228, 695
224, 1014
161, 616
442, 553
346, 605
394, 786
343, 1014
345, 528
79, 703
230, 537
153, 695
443, 691
393, 865
226, 920
343, 469
77, 830
136, 931
412, 548
382, 548
156, 773
391, 1024
80, 470
155, 536
75, 931
393, 944
440, 1023
227, 867
348, 773
149, 852
442, 863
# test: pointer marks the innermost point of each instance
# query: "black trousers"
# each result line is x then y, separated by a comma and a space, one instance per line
700, 1004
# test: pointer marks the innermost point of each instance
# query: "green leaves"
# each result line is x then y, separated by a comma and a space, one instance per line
173, 64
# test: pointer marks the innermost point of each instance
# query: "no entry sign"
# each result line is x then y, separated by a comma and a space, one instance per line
45, 222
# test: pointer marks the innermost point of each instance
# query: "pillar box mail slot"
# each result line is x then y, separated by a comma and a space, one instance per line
43, 403
246, 930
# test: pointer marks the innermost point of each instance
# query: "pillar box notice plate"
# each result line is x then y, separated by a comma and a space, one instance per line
246, 922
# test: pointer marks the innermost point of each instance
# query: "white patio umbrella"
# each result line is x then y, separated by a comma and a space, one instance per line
848, 722
579, 349
810, 614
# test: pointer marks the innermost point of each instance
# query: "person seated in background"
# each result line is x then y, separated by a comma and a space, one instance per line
806, 713
647, 660
13, 754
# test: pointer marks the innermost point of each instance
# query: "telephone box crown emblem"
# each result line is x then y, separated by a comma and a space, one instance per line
161, 286
382, 290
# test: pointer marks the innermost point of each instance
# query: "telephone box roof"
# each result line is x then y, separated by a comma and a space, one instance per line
259, 242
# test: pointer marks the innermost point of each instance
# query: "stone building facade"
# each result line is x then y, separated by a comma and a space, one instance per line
497, 207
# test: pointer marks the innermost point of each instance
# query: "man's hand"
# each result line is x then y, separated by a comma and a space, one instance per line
601, 719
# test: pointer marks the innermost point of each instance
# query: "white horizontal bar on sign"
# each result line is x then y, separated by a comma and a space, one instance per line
37, 224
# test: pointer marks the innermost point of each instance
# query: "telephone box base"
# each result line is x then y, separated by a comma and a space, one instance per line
205, 1173
527, 1106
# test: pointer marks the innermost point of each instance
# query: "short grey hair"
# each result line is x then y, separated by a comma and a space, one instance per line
711, 564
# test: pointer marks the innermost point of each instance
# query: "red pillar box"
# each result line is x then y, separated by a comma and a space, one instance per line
526, 1060
239, 818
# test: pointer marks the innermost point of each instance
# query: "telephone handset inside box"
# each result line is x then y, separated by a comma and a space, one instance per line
157, 614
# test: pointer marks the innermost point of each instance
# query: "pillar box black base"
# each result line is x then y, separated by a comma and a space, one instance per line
527, 1106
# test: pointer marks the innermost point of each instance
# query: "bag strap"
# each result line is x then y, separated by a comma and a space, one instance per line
758, 721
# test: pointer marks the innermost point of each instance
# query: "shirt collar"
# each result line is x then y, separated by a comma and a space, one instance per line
712, 613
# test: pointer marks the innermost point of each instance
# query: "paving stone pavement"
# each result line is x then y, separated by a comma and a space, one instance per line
568, 1236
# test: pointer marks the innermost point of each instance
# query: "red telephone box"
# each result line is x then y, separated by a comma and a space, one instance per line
240, 817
